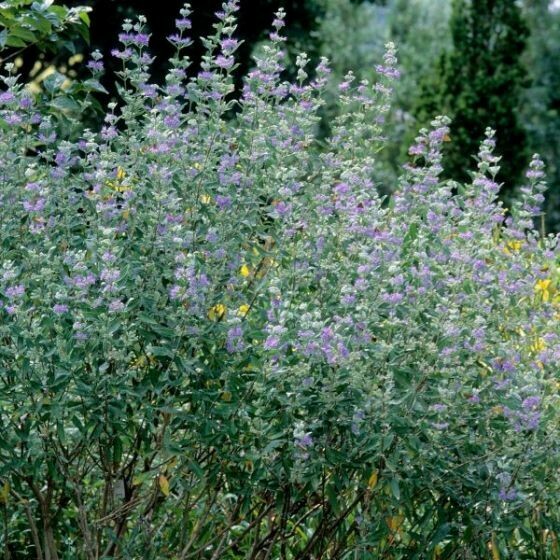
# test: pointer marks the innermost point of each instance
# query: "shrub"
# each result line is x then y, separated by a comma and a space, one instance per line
218, 340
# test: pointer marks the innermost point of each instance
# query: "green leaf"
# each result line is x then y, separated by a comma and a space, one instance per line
24, 34
163, 351
53, 82
84, 16
410, 237
65, 104
395, 488
117, 451
13, 41
94, 85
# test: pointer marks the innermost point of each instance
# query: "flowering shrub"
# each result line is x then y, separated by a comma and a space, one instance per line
219, 341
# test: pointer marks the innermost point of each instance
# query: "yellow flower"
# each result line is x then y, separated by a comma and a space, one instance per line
217, 311
244, 271
543, 288
117, 185
205, 199
539, 345
243, 310
512, 247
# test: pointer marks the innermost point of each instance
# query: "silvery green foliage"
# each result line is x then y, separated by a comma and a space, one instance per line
219, 340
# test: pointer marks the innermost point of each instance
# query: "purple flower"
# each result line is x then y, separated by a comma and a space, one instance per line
183, 23
175, 90
141, 39
14, 292
535, 174
179, 41
95, 65
474, 398
109, 132
110, 275
176, 292
7, 97
229, 45
13, 119
26, 103
234, 342
225, 62
149, 90
342, 188
271, 342
393, 298
387, 71
223, 201
108, 257
82, 282
33, 187
507, 494
79, 333
125, 54
531, 403
60, 308
305, 440
34, 206
115, 306
172, 121
439, 407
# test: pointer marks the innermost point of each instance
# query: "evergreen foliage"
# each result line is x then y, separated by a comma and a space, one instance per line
478, 83
541, 103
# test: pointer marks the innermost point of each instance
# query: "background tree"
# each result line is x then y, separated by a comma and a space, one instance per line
479, 82
43, 25
541, 101
255, 18
412, 26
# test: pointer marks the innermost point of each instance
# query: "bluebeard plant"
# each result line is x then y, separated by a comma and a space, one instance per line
220, 341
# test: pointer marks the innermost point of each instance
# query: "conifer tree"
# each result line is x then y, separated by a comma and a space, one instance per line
478, 83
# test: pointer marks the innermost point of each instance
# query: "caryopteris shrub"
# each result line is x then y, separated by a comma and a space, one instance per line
219, 342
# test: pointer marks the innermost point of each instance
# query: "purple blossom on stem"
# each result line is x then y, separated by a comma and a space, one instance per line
115, 306
234, 342
225, 62
507, 494
271, 342
229, 45
15, 292
183, 23
96, 65
7, 97
179, 41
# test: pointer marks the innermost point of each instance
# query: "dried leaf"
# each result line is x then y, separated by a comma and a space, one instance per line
372, 482
163, 484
